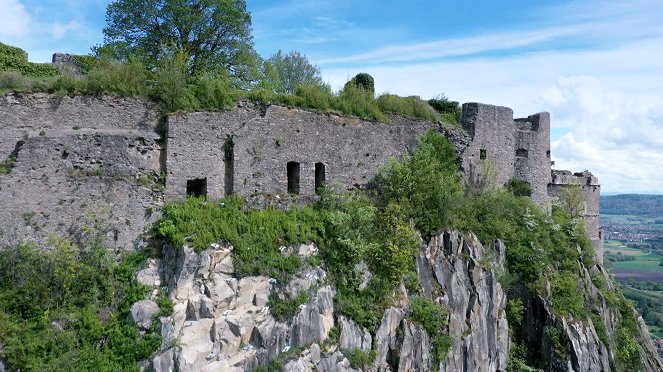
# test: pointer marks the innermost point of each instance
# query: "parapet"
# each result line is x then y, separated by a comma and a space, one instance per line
564, 177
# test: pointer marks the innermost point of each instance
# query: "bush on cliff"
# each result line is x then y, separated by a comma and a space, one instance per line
67, 308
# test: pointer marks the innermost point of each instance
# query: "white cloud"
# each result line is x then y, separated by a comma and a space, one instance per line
14, 19
58, 30
609, 100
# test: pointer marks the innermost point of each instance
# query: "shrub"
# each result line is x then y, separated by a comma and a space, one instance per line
283, 310
359, 358
124, 79
518, 187
51, 306
450, 110
15, 59
355, 100
407, 106
566, 297
434, 319
363, 81
255, 234
424, 185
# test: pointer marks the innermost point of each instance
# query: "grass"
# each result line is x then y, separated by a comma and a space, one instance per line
255, 234
643, 262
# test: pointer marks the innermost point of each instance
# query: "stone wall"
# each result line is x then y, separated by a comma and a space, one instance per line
26, 115
264, 142
591, 190
96, 161
504, 148
78, 156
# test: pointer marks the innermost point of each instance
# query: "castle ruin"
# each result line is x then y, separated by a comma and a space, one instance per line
74, 156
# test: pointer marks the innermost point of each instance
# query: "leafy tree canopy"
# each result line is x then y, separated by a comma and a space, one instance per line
214, 34
284, 73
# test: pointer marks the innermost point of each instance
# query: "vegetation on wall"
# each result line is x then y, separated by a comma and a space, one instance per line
15, 59
67, 308
170, 83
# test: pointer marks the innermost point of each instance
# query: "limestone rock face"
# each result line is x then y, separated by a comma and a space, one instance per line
585, 351
222, 323
315, 319
353, 336
455, 271
142, 313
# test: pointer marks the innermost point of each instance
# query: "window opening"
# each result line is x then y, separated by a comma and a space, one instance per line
196, 187
319, 177
293, 177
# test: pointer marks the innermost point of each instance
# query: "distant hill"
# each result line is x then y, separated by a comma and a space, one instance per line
633, 204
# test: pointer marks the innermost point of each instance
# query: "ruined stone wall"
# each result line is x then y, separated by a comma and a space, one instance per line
96, 161
532, 154
503, 148
591, 189
351, 149
26, 115
491, 145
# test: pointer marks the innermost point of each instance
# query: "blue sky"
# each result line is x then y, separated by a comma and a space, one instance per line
595, 65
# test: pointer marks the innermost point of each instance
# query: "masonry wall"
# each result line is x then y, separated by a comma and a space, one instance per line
504, 148
96, 162
352, 150
532, 154
591, 190
26, 115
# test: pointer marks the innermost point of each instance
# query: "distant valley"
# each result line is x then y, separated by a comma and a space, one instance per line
633, 231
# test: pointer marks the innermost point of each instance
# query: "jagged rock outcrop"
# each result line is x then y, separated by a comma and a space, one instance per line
565, 344
224, 323
457, 271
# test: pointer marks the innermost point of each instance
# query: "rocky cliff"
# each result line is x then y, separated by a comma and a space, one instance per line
221, 322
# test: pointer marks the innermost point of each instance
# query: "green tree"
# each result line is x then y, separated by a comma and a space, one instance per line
288, 71
213, 34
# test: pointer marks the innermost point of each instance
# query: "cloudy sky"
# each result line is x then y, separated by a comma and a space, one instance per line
595, 65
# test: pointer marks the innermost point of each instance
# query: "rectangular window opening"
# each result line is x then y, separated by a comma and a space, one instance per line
229, 161
196, 187
521, 153
293, 177
319, 177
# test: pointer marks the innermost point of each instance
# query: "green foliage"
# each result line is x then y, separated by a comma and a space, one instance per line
394, 257
601, 331
425, 184
15, 59
518, 187
435, 321
7, 165
284, 310
358, 101
363, 81
255, 234
359, 358
111, 77
212, 34
67, 308
566, 298
515, 315
408, 106
450, 110
85, 63
285, 73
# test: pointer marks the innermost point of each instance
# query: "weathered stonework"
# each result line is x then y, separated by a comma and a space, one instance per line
79, 161
511, 148
590, 188
350, 150
103, 155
